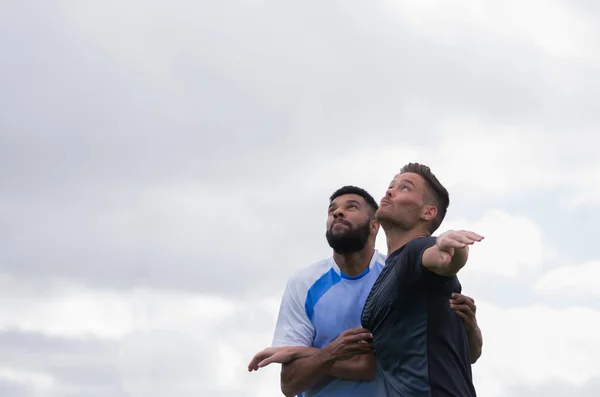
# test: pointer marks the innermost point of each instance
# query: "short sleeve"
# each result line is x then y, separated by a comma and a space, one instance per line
293, 327
411, 269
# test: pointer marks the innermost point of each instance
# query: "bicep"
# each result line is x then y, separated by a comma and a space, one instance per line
293, 327
412, 270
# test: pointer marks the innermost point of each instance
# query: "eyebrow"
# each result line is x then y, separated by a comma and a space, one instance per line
349, 201
408, 181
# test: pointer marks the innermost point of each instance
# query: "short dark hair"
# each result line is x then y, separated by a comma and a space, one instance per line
437, 191
371, 203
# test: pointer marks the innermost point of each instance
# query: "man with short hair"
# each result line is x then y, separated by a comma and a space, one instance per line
318, 337
422, 347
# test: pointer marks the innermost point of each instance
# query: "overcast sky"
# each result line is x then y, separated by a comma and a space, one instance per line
165, 167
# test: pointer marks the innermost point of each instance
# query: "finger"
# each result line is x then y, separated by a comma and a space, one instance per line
267, 361
462, 238
461, 297
472, 235
454, 243
465, 306
364, 336
352, 331
361, 348
464, 317
464, 300
355, 331
258, 357
463, 309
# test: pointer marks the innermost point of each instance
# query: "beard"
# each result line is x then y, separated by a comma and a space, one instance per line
350, 241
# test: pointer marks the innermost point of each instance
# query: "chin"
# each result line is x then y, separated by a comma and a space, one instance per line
381, 215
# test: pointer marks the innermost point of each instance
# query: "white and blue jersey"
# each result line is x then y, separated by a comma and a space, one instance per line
319, 303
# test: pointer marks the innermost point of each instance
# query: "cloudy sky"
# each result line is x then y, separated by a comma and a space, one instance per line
165, 166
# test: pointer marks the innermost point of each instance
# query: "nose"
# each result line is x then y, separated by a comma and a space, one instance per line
388, 193
338, 213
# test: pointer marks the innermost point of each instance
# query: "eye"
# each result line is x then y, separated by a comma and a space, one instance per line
404, 188
352, 206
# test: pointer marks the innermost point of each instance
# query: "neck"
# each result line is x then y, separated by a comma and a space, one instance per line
355, 263
398, 238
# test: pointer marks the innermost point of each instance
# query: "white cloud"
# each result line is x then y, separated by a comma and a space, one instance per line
551, 26
192, 344
512, 245
475, 159
580, 279
71, 310
184, 144
168, 341
36, 382
536, 345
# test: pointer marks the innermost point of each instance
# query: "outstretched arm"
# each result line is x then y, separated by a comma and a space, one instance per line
348, 357
359, 368
450, 252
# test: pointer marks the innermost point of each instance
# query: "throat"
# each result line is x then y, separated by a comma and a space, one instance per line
353, 264
397, 238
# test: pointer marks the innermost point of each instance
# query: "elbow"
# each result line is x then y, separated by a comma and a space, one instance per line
475, 356
287, 392
286, 385
286, 389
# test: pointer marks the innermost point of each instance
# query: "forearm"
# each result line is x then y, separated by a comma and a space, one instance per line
302, 374
306, 370
433, 260
359, 368
475, 339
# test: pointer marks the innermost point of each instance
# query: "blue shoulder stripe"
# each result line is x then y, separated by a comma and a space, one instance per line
318, 289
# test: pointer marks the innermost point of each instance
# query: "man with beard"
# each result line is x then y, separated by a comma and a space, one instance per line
422, 347
318, 337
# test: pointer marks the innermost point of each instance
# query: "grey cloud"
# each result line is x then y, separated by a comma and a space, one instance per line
233, 108
156, 363
14, 389
162, 246
246, 83
557, 389
78, 367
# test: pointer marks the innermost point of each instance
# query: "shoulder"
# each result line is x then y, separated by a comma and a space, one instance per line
378, 262
420, 244
379, 258
303, 279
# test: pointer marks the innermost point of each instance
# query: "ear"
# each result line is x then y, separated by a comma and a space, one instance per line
428, 213
374, 226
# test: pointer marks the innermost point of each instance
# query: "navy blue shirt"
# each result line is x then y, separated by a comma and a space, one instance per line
421, 345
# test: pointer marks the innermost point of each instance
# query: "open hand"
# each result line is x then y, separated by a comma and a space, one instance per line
451, 240
281, 355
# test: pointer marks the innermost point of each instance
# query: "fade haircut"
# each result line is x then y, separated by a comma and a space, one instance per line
371, 203
436, 191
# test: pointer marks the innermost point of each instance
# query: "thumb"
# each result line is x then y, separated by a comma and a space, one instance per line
446, 257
